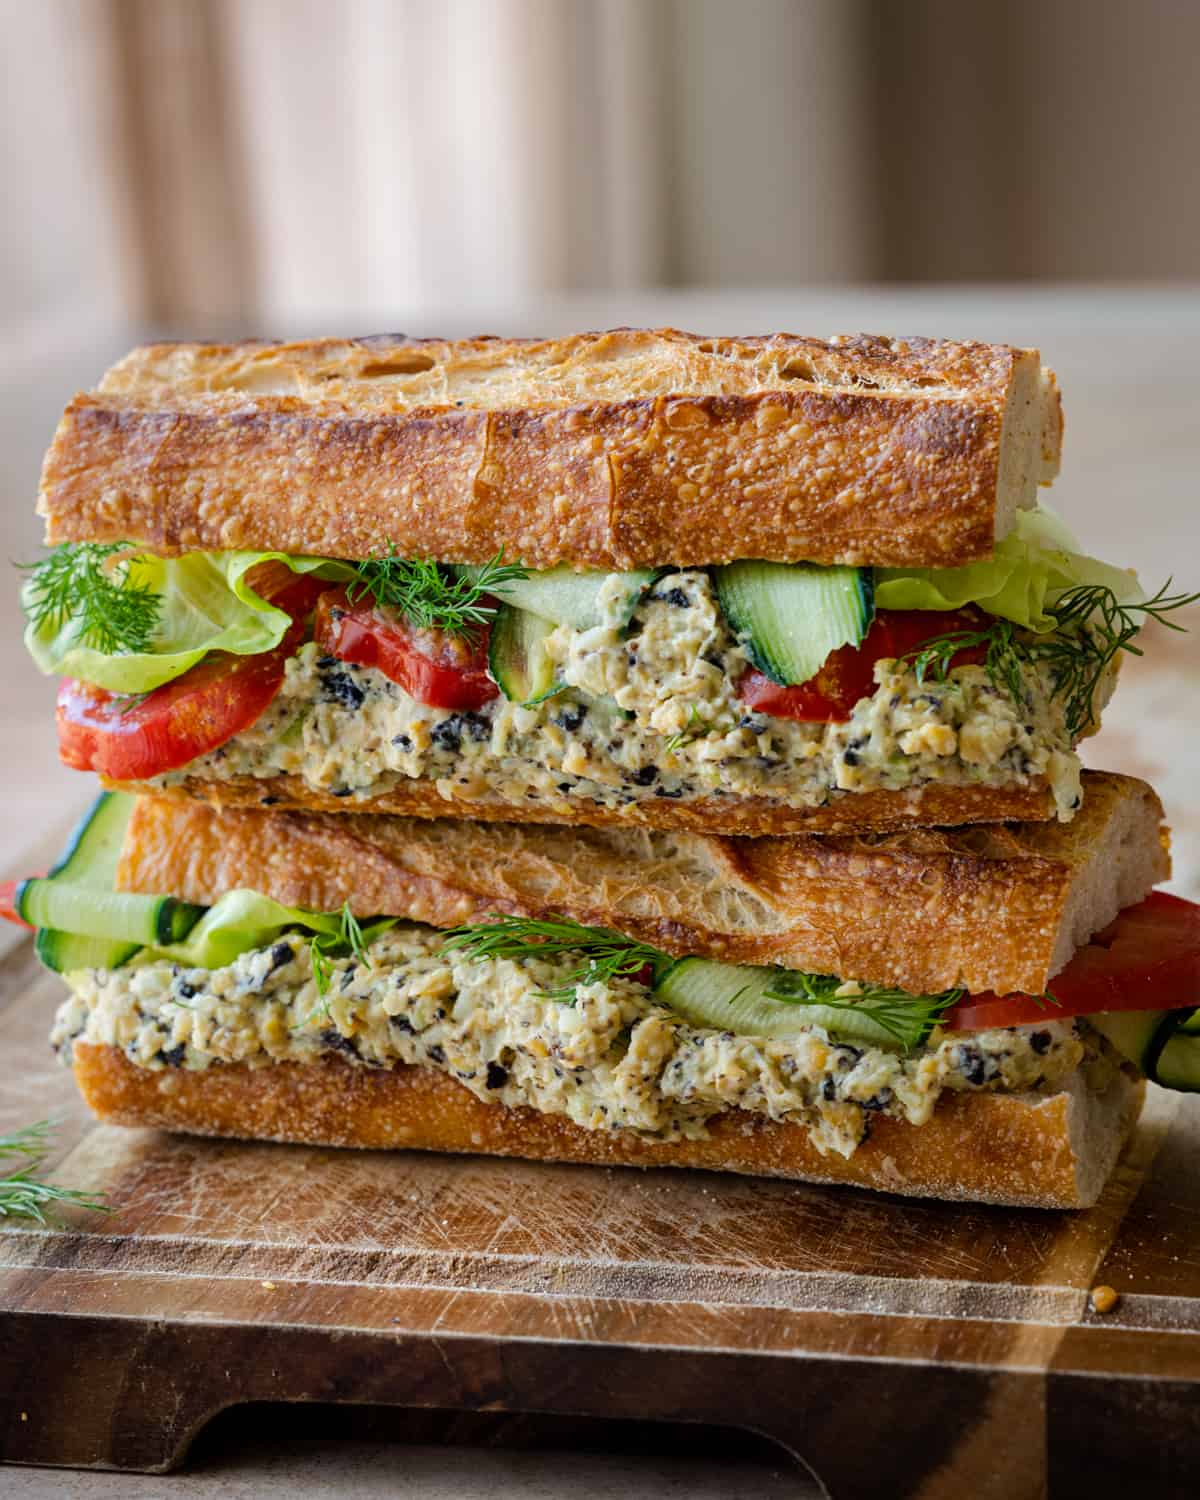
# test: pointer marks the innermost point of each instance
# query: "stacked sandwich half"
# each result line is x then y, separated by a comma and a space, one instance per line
632, 748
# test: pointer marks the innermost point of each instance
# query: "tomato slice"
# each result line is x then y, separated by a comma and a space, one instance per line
435, 668
8, 903
848, 672
129, 739
1148, 959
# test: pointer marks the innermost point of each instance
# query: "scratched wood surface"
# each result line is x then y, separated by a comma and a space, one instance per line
938, 1345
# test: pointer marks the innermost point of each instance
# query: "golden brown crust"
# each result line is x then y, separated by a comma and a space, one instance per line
632, 448
1049, 1151
933, 805
998, 908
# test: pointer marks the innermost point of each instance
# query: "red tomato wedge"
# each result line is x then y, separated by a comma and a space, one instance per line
1148, 959
8, 903
848, 672
130, 739
441, 670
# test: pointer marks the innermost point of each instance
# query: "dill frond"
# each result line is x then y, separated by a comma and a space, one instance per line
88, 585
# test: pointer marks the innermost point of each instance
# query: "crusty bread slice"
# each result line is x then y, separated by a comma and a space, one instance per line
1035, 1150
933, 805
1000, 908
633, 448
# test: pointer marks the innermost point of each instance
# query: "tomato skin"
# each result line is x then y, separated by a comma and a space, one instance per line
8, 903
124, 739
436, 669
1148, 959
848, 673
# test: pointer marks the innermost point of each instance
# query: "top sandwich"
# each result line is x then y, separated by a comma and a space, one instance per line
742, 586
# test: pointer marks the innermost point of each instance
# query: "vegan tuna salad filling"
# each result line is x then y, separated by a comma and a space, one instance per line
613, 1059
648, 707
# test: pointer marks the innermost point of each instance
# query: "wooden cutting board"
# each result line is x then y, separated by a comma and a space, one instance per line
916, 1348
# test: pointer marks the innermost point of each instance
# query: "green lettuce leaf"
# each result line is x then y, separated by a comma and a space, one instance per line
242, 920
207, 605
1036, 562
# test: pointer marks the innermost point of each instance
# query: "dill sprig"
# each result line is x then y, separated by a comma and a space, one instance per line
1092, 626
431, 596
89, 585
906, 1018
695, 729
347, 939
604, 954
25, 1195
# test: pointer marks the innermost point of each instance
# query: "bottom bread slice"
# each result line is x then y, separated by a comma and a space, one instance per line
1029, 1150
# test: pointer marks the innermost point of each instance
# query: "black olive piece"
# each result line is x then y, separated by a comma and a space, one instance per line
186, 990
436, 1054
644, 775
174, 1056
571, 717
340, 791
327, 661
402, 1023
281, 953
340, 687
497, 1076
829, 1090
1040, 1042
676, 597
564, 786
850, 757
971, 1063
661, 791
336, 1042
448, 734
403, 741
267, 801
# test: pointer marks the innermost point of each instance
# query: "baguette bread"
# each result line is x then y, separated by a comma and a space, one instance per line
1031, 1150
930, 806
993, 908
627, 449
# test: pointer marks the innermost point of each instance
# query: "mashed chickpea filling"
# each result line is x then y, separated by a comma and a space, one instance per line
613, 1060
649, 709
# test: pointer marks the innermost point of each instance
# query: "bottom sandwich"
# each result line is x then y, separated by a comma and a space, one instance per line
959, 1050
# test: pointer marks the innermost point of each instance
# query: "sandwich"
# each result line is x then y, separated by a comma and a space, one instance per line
759, 586
965, 1013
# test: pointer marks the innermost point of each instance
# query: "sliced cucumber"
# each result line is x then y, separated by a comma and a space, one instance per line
1134, 1033
517, 656
82, 922
568, 598
1163, 1044
1179, 1063
732, 997
790, 616
64, 952
118, 915
94, 847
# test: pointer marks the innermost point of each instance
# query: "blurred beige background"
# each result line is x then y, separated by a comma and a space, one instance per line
225, 165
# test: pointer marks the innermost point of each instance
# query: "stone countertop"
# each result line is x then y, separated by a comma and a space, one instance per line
1131, 459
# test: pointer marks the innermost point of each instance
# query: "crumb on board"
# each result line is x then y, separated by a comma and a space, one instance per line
1105, 1298
267, 1286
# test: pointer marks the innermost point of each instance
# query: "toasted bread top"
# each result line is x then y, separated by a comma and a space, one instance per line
632, 448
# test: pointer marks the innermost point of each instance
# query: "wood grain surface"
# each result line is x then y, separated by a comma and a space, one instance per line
872, 1337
